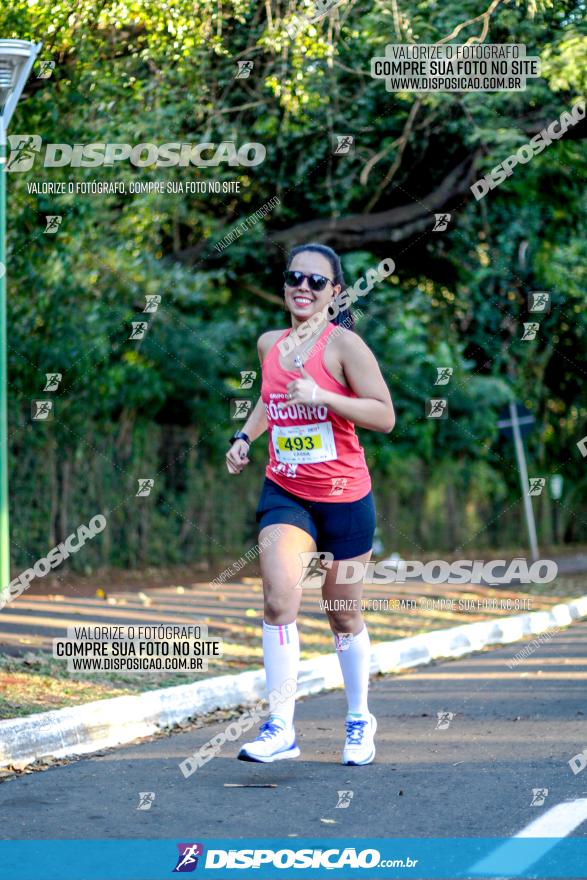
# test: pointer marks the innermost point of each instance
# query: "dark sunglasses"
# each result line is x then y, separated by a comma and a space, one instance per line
293, 278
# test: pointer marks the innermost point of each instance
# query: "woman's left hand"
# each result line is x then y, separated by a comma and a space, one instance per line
304, 390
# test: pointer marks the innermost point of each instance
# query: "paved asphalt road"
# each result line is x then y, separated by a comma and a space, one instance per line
513, 730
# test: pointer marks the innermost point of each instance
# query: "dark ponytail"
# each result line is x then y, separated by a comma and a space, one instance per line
344, 316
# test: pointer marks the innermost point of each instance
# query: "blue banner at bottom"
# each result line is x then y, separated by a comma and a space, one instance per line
268, 859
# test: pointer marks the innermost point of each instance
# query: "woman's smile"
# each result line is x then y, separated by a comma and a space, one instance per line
302, 300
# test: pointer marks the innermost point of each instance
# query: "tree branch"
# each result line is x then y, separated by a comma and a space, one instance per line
398, 158
362, 230
484, 17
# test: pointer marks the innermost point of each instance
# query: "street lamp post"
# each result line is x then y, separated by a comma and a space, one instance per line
556, 491
16, 59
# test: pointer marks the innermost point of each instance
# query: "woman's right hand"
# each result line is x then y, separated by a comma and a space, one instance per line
237, 456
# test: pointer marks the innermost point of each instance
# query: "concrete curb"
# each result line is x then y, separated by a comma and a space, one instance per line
107, 723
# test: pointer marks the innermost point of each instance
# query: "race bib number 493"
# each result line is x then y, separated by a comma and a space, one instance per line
304, 444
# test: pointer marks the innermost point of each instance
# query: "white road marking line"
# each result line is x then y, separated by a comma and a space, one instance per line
559, 821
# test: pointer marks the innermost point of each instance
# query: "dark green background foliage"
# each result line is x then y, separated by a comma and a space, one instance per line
151, 71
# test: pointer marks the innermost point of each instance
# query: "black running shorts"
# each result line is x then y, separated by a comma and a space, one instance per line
344, 529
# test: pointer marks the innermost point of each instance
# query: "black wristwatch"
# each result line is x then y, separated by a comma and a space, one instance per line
240, 435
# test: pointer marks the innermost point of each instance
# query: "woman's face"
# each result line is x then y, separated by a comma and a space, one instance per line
301, 300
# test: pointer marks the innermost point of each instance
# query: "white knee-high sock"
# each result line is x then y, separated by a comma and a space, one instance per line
354, 655
281, 654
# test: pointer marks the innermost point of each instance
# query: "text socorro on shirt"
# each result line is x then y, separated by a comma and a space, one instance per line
294, 410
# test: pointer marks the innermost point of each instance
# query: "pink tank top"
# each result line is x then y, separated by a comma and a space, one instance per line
313, 453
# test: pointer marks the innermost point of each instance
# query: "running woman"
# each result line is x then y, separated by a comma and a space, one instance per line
316, 497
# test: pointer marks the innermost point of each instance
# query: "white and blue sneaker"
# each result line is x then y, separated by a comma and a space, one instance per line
274, 743
359, 747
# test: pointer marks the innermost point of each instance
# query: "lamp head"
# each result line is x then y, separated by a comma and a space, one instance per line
7, 69
16, 59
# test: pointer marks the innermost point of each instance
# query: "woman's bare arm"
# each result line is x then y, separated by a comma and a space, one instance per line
256, 424
237, 456
372, 408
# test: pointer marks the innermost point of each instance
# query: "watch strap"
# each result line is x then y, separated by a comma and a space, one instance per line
240, 435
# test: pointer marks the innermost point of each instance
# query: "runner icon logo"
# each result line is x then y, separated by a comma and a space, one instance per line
247, 378
240, 408
539, 795
444, 719
537, 484
343, 641
244, 69
146, 799
145, 486
441, 222
343, 144
338, 485
53, 222
530, 331
437, 408
188, 857
41, 410
53, 380
139, 328
443, 375
314, 567
344, 799
153, 301
538, 301
46, 68
23, 151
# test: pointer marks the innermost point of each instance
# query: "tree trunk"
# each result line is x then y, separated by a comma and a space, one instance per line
451, 515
